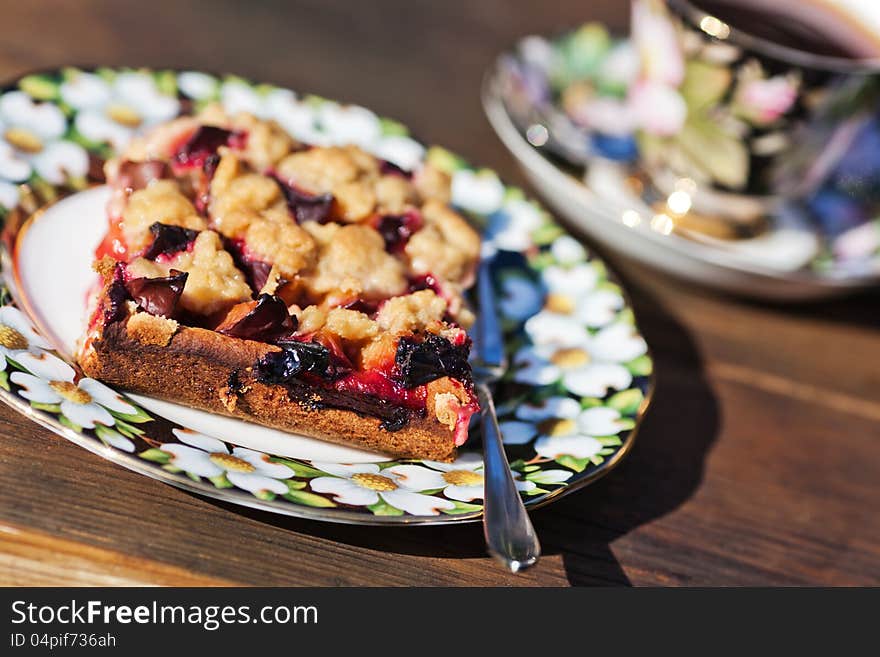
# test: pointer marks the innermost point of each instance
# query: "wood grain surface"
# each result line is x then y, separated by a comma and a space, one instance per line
759, 462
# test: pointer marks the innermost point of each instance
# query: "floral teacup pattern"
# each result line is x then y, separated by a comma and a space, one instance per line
720, 137
579, 376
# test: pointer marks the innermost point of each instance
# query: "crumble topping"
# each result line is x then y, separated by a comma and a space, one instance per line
394, 194
238, 197
350, 325
267, 142
433, 184
355, 200
354, 266
311, 318
446, 246
412, 312
283, 243
161, 201
321, 170
214, 283
352, 262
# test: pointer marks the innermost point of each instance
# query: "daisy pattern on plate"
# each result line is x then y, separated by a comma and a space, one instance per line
208, 457
112, 112
562, 427
85, 403
576, 288
320, 124
511, 227
353, 124
32, 141
18, 335
462, 479
480, 192
590, 366
365, 484
198, 85
114, 439
349, 124
280, 105
572, 291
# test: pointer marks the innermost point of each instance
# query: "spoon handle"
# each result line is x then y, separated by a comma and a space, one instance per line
510, 537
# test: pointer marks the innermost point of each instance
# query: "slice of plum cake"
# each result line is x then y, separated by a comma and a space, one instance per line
318, 290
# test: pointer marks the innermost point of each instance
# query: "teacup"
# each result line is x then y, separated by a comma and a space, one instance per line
748, 103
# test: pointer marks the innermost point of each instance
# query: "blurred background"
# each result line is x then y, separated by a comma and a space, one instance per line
420, 61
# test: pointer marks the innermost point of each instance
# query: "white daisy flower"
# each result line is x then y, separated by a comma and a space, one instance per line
399, 150
32, 141
589, 367
17, 335
567, 250
239, 97
198, 85
529, 416
462, 479
51, 381
114, 112
364, 484
477, 191
327, 124
117, 440
208, 457
511, 228
350, 124
280, 105
572, 291
550, 328
562, 427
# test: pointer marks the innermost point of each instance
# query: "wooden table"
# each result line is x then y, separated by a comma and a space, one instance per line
758, 463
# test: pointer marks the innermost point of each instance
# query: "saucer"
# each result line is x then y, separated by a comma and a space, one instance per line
593, 181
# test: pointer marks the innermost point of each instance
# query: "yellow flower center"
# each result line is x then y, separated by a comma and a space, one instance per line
123, 114
463, 478
230, 462
70, 392
568, 358
559, 303
373, 481
24, 140
12, 339
557, 427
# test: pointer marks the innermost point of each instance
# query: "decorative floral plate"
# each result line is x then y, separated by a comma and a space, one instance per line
577, 388
575, 113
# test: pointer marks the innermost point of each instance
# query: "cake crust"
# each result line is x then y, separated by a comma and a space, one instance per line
210, 371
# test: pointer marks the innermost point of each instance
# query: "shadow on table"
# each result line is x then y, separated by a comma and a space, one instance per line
663, 470
856, 309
